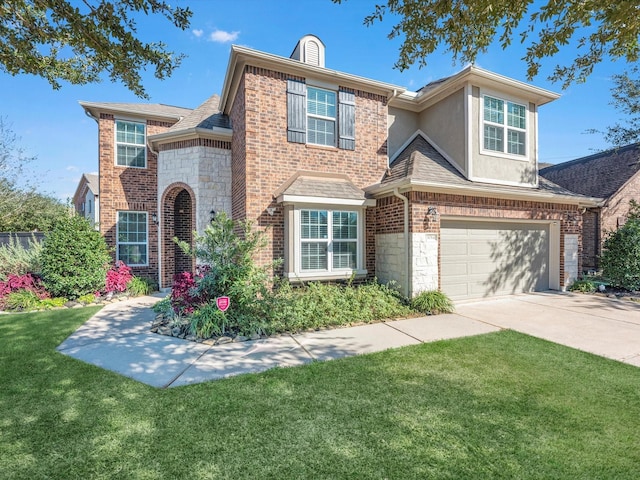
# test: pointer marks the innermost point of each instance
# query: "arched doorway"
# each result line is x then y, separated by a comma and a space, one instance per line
178, 220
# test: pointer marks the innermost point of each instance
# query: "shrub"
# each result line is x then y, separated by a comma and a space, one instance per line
184, 294
21, 300
118, 277
163, 306
75, 258
621, 253
138, 286
228, 249
432, 302
208, 321
26, 282
86, 299
15, 259
584, 286
48, 303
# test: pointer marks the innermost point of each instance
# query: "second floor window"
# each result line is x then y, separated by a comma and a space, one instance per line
504, 126
130, 144
321, 116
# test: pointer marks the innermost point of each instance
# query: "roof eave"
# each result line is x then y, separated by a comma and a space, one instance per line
241, 56
215, 133
378, 190
94, 110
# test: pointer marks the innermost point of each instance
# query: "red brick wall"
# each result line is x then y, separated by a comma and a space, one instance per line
263, 159
591, 239
615, 210
126, 188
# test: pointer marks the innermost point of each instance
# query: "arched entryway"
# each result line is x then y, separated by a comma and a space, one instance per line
178, 221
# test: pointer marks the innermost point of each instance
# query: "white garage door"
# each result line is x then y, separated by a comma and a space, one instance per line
481, 259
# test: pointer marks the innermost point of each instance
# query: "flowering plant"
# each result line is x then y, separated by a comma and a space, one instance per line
118, 277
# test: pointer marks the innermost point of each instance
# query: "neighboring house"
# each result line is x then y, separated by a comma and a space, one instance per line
85, 200
437, 188
613, 175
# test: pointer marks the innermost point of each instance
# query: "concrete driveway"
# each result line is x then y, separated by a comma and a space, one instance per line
605, 326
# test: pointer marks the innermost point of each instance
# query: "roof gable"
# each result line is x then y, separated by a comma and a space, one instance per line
206, 116
599, 175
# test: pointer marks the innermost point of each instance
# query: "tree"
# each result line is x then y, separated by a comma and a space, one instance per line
621, 252
626, 99
60, 41
22, 207
595, 29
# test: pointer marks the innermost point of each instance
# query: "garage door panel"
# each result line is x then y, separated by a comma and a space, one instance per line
496, 258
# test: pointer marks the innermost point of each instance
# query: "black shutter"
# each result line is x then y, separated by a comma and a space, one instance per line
296, 111
347, 120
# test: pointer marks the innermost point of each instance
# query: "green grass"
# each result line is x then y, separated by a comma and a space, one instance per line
502, 405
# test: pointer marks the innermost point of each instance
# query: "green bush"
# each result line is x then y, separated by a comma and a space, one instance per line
18, 260
48, 303
86, 299
139, 286
584, 286
209, 321
163, 306
21, 300
620, 260
75, 258
432, 302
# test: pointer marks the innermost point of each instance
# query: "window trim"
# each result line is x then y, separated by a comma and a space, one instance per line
295, 264
333, 119
118, 242
116, 143
527, 130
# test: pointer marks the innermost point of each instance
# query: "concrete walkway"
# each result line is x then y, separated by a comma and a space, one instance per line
118, 338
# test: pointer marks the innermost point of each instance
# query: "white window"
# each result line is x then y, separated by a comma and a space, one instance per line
504, 126
329, 240
321, 116
130, 144
132, 238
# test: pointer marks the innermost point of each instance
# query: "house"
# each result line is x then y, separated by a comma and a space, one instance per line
86, 198
613, 175
437, 188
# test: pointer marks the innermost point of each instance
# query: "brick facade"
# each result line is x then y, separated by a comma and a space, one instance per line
126, 188
263, 159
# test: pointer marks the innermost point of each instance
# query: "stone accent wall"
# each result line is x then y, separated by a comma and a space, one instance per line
263, 159
206, 170
424, 262
390, 259
128, 188
571, 259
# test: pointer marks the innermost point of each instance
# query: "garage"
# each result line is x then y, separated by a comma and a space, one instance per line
481, 259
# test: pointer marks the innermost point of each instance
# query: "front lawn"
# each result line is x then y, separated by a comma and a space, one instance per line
501, 405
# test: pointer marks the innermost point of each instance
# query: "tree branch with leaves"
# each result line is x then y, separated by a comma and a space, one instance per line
596, 30
78, 42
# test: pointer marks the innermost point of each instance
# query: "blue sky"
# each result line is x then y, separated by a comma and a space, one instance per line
52, 126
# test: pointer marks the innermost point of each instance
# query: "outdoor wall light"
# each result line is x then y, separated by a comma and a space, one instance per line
154, 218
432, 211
271, 210
212, 213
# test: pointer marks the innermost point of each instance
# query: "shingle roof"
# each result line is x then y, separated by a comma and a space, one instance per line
93, 182
206, 115
420, 162
599, 175
311, 184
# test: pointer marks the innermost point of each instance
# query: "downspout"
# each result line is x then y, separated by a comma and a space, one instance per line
407, 244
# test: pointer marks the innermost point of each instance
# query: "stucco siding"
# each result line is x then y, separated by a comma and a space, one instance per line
444, 124
402, 124
499, 167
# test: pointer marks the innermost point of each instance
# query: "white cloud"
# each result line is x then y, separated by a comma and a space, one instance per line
71, 168
198, 32
221, 36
